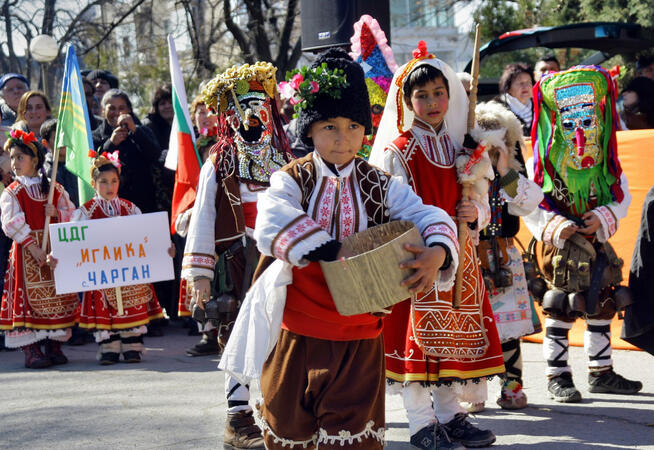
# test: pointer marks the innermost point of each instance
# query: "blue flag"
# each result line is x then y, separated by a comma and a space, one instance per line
73, 128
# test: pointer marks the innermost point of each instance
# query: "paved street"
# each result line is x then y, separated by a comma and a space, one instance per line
171, 401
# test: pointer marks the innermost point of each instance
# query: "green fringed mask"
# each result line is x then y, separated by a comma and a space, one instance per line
575, 114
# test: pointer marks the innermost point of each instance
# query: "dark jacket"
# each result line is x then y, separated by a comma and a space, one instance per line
138, 154
65, 178
160, 128
164, 179
8, 115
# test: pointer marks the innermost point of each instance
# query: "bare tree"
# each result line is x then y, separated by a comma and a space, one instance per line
206, 27
67, 21
263, 30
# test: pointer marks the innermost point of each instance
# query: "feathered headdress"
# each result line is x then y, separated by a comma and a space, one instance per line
574, 135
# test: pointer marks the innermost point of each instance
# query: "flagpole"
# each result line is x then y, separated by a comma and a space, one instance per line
53, 181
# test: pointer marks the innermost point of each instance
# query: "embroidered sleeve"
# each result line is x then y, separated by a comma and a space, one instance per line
528, 196
65, 207
13, 219
283, 229
611, 214
545, 226
395, 165
434, 224
198, 260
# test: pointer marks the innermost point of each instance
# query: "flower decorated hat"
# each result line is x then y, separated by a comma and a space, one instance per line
22, 138
333, 86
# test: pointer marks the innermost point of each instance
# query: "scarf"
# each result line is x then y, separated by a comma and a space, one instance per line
525, 112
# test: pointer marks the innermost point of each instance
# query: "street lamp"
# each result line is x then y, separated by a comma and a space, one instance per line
44, 49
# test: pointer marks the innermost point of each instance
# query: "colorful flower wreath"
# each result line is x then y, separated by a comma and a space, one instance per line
105, 158
237, 79
21, 137
208, 136
303, 85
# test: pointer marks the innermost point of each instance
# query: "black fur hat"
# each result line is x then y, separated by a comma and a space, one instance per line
353, 104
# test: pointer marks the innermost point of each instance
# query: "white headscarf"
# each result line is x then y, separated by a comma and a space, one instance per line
455, 118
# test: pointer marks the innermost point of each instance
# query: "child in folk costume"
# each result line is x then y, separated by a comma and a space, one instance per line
323, 385
32, 314
512, 195
424, 124
251, 146
586, 194
116, 334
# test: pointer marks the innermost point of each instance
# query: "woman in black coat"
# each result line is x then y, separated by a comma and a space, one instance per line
139, 150
159, 121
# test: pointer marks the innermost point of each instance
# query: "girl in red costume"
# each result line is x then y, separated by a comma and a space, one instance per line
32, 314
115, 333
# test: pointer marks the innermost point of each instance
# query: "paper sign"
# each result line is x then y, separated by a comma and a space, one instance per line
107, 253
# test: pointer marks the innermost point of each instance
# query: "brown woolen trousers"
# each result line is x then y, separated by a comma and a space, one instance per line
313, 386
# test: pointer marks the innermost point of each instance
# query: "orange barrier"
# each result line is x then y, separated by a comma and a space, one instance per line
636, 151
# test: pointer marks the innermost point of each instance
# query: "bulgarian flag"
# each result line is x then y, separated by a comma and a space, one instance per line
182, 155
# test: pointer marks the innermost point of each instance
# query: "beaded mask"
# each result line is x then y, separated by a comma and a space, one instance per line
252, 123
574, 142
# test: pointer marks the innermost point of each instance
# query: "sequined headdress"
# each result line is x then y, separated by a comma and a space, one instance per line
574, 136
238, 80
250, 131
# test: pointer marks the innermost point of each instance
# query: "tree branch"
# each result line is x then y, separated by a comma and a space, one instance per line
113, 25
285, 38
239, 37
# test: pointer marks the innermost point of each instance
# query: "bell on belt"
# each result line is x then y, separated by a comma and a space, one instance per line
537, 287
555, 301
576, 304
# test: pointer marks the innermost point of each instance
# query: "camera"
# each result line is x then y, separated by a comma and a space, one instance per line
222, 309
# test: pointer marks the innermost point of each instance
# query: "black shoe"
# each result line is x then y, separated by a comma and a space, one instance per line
109, 358
461, 430
208, 345
132, 356
53, 351
434, 437
611, 383
563, 390
77, 339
